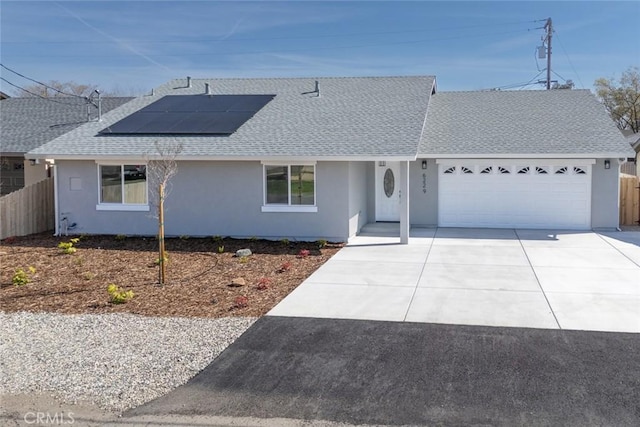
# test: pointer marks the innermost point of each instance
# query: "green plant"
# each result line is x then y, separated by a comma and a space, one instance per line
67, 248
253, 239
217, 238
121, 237
88, 275
221, 249
21, 277
166, 259
285, 242
184, 237
322, 243
118, 295
244, 259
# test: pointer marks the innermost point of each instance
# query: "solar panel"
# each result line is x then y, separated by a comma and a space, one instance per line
191, 114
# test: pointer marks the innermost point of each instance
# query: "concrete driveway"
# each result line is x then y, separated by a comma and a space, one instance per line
547, 279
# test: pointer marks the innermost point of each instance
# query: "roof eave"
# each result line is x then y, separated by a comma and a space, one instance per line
528, 155
278, 158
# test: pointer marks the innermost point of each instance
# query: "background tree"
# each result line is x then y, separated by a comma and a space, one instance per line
161, 167
58, 89
622, 98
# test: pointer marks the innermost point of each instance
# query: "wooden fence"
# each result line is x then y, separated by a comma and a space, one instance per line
28, 210
629, 200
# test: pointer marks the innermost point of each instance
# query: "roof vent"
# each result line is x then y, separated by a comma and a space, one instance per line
316, 91
188, 81
207, 89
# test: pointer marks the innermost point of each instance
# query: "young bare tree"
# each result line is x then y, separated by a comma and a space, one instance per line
160, 169
622, 98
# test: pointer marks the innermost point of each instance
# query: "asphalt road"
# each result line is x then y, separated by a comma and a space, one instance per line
366, 372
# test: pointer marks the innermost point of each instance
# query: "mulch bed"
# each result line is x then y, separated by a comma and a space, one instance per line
197, 281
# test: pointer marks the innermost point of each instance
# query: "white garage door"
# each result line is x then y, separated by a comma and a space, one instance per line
516, 193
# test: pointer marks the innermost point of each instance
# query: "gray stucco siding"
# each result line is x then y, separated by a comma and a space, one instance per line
605, 194
423, 194
212, 198
358, 190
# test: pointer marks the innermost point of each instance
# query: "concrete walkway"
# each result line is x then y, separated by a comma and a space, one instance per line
493, 277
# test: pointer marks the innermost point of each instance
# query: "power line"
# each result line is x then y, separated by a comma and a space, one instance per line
516, 85
37, 95
40, 83
569, 60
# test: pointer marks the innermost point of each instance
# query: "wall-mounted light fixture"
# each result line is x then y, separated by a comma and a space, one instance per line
424, 164
607, 164
382, 163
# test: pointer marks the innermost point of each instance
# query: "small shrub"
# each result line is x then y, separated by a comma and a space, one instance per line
21, 277
217, 238
253, 239
184, 237
263, 283
221, 249
166, 259
285, 242
244, 259
67, 248
322, 243
88, 276
118, 295
286, 266
121, 237
241, 302
10, 240
303, 253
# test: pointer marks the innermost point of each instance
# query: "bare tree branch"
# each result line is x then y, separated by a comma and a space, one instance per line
622, 99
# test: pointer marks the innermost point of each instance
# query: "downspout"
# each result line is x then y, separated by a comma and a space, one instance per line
56, 206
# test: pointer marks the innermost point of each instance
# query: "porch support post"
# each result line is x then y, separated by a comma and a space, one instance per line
404, 203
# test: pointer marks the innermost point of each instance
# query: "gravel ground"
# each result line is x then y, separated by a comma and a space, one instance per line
115, 361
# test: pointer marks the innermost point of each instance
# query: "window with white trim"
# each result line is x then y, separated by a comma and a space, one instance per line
289, 186
123, 185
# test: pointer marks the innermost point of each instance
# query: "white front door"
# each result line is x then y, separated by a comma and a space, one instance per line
387, 191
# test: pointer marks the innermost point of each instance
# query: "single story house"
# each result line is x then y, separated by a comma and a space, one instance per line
27, 123
632, 165
318, 158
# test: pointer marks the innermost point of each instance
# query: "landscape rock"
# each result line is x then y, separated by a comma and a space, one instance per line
243, 252
237, 282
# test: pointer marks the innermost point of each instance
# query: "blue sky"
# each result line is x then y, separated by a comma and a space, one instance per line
132, 46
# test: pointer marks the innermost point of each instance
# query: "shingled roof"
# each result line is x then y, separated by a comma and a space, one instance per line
368, 118
27, 123
520, 123
354, 117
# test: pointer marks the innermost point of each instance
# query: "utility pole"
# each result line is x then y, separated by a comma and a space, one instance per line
549, 28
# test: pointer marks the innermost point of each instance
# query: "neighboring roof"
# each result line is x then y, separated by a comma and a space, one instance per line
27, 123
519, 123
354, 117
634, 141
